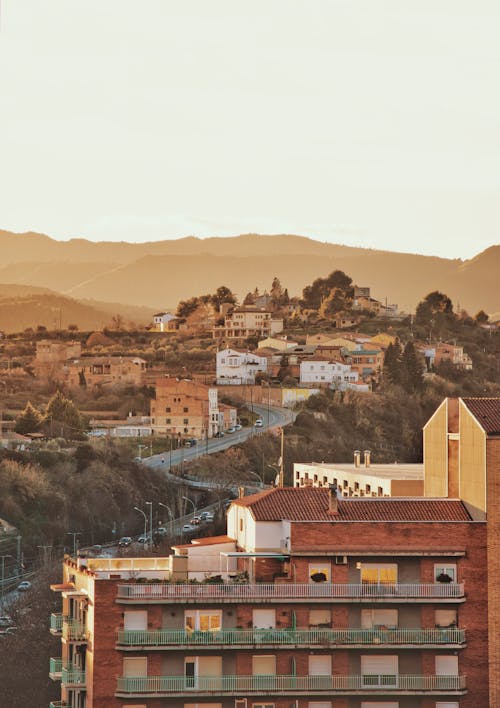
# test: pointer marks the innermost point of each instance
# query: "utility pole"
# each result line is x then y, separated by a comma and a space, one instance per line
46, 553
3, 577
74, 534
281, 482
150, 504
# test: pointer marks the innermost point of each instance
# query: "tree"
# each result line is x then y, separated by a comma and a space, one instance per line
336, 287
29, 420
481, 317
412, 378
221, 295
62, 413
187, 307
435, 303
392, 363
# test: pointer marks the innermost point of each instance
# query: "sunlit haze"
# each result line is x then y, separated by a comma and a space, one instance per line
365, 123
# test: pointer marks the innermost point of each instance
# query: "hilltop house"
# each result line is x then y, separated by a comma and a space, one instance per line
104, 371
165, 322
323, 372
243, 322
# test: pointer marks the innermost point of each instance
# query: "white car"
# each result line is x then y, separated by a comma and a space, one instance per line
24, 586
187, 528
259, 423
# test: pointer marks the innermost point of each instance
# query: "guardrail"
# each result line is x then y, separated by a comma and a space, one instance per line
288, 684
231, 637
263, 591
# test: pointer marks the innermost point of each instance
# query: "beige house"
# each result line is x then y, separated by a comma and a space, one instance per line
244, 322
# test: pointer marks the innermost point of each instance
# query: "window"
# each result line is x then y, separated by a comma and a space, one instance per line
203, 620
319, 572
446, 665
135, 619
186, 410
263, 665
381, 573
319, 704
445, 573
446, 618
320, 618
264, 619
168, 421
379, 704
320, 665
185, 421
379, 670
241, 524
447, 704
167, 409
375, 619
135, 666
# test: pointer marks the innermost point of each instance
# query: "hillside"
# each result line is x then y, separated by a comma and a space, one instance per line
22, 307
164, 272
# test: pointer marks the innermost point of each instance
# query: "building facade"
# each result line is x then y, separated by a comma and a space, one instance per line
104, 371
244, 322
327, 372
235, 367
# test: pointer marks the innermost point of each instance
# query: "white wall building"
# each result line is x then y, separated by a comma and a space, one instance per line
321, 371
235, 367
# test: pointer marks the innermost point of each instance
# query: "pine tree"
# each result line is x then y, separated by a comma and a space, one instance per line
29, 420
62, 414
392, 363
412, 377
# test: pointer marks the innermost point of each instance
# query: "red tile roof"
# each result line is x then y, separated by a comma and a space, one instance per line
311, 504
486, 411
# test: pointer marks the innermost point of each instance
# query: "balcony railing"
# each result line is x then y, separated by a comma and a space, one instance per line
72, 677
237, 592
56, 622
55, 668
59, 704
231, 637
218, 685
73, 630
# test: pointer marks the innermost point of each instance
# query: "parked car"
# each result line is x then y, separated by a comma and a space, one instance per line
24, 586
187, 528
220, 434
161, 531
143, 538
231, 430
238, 427
190, 443
259, 423
208, 517
125, 541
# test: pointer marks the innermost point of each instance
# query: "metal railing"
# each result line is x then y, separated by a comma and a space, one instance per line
73, 630
59, 704
56, 622
55, 667
231, 637
293, 684
259, 591
72, 676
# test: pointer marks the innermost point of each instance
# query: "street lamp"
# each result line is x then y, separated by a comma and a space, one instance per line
171, 518
141, 448
136, 508
74, 534
191, 502
150, 504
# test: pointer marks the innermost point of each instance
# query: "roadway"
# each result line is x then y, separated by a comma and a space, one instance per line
272, 418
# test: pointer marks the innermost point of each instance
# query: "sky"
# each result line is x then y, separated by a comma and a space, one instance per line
363, 122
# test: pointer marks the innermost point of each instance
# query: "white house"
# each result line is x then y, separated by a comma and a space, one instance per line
164, 322
236, 367
322, 371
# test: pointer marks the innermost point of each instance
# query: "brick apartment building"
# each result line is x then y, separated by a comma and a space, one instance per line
312, 600
188, 409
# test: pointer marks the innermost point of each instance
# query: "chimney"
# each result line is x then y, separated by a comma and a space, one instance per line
241, 492
333, 502
357, 458
367, 458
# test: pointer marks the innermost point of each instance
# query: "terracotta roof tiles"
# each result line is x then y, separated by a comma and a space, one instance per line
311, 504
486, 411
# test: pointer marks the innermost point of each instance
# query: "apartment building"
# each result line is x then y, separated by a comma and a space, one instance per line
453, 354
362, 478
186, 409
243, 322
234, 367
311, 600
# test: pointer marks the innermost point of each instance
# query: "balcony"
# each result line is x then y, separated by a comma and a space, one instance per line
292, 592
231, 638
73, 630
165, 686
55, 668
56, 623
73, 677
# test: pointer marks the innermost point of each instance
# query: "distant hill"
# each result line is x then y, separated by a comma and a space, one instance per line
22, 307
157, 274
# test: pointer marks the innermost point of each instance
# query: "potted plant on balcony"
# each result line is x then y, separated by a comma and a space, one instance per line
444, 578
318, 577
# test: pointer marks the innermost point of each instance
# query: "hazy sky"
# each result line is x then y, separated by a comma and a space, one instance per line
366, 122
